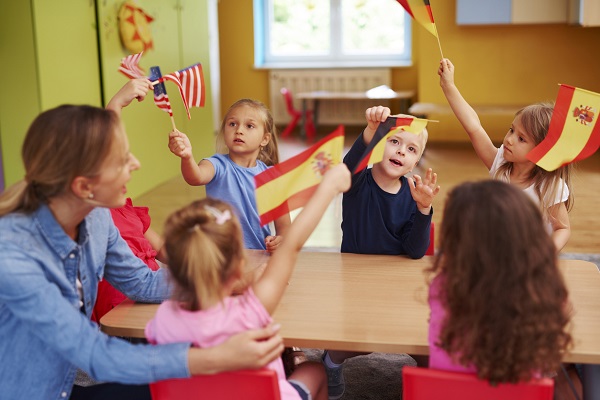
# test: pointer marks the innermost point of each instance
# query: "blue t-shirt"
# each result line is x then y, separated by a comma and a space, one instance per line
377, 222
235, 185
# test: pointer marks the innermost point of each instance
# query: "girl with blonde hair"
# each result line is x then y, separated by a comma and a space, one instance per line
250, 136
509, 163
206, 257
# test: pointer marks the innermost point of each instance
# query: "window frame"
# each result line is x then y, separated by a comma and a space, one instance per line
264, 60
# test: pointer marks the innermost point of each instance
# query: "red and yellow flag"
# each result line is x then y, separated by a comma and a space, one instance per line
574, 132
374, 151
420, 11
289, 185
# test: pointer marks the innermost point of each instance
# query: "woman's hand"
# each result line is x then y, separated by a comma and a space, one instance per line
247, 350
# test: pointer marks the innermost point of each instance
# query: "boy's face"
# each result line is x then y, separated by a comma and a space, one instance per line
402, 152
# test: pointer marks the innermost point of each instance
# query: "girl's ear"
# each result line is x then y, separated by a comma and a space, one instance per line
81, 187
266, 139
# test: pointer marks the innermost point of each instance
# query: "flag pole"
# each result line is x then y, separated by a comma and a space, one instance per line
437, 35
173, 123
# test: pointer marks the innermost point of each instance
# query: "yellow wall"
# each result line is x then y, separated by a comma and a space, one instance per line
56, 52
500, 64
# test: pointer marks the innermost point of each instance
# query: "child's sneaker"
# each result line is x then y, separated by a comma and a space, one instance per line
335, 380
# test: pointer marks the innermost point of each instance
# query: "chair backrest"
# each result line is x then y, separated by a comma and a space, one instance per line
289, 102
431, 249
427, 384
246, 384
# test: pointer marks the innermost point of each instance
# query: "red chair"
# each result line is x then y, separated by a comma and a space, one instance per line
246, 384
296, 116
428, 384
431, 249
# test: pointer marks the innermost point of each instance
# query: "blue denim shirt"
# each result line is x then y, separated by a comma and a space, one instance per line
44, 336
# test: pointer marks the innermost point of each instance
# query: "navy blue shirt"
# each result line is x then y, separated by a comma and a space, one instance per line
377, 222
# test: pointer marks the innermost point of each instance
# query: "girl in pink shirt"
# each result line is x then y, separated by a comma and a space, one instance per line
205, 250
498, 301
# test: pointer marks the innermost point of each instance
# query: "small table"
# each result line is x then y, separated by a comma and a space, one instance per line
405, 98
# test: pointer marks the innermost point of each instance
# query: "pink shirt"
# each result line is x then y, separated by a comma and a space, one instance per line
207, 328
438, 358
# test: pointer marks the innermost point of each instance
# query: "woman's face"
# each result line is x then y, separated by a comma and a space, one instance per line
109, 187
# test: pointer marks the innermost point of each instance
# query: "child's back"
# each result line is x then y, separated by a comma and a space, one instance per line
206, 258
498, 301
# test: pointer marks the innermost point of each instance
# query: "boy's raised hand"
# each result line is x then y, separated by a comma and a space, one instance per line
446, 72
424, 190
374, 115
180, 145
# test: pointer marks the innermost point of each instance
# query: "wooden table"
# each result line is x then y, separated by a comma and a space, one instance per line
405, 98
377, 303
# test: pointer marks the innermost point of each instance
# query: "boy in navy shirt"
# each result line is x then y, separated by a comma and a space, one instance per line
384, 212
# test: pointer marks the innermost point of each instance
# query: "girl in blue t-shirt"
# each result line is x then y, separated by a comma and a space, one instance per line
249, 133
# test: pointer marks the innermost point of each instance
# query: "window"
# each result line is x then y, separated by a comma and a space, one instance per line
331, 33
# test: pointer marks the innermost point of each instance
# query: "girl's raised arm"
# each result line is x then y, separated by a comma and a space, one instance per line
485, 149
271, 286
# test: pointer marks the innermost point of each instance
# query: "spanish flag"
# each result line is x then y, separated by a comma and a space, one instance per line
420, 11
374, 151
574, 132
289, 185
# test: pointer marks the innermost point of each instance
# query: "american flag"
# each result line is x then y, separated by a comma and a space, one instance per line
130, 68
191, 85
161, 99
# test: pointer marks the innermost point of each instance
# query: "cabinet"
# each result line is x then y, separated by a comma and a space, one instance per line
584, 12
489, 12
49, 53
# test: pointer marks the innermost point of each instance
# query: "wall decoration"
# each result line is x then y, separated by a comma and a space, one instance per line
134, 27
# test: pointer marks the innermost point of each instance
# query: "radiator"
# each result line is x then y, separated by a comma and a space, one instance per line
338, 80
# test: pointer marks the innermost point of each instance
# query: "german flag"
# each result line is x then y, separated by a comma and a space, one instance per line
374, 151
289, 185
420, 11
574, 132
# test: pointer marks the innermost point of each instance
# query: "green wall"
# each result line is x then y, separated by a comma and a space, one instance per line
20, 100
68, 51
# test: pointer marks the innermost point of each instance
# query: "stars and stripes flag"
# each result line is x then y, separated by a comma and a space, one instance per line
161, 99
191, 85
288, 185
374, 151
130, 66
420, 11
574, 132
